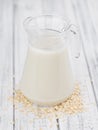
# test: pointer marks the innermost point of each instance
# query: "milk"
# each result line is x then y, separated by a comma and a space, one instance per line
47, 77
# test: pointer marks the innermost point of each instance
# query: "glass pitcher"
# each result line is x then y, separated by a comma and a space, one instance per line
48, 76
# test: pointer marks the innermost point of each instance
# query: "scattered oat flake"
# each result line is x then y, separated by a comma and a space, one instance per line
40, 129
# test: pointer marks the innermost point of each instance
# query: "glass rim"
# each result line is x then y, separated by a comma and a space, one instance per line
62, 18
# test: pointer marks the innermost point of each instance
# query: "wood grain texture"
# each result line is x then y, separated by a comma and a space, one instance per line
89, 37
13, 49
6, 88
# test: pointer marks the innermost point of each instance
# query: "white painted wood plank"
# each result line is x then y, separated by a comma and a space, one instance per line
92, 7
92, 11
88, 38
6, 88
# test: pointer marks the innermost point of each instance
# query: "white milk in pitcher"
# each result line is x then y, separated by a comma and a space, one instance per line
47, 76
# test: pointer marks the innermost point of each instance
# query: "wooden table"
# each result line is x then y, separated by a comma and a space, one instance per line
13, 48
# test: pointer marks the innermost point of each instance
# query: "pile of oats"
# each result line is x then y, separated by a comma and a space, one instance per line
71, 105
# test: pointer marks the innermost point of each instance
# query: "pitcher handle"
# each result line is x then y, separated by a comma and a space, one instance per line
75, 35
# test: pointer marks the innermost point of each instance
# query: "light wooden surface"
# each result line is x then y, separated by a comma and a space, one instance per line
13, 47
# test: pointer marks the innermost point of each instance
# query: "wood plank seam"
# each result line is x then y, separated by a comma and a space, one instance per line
13, 63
